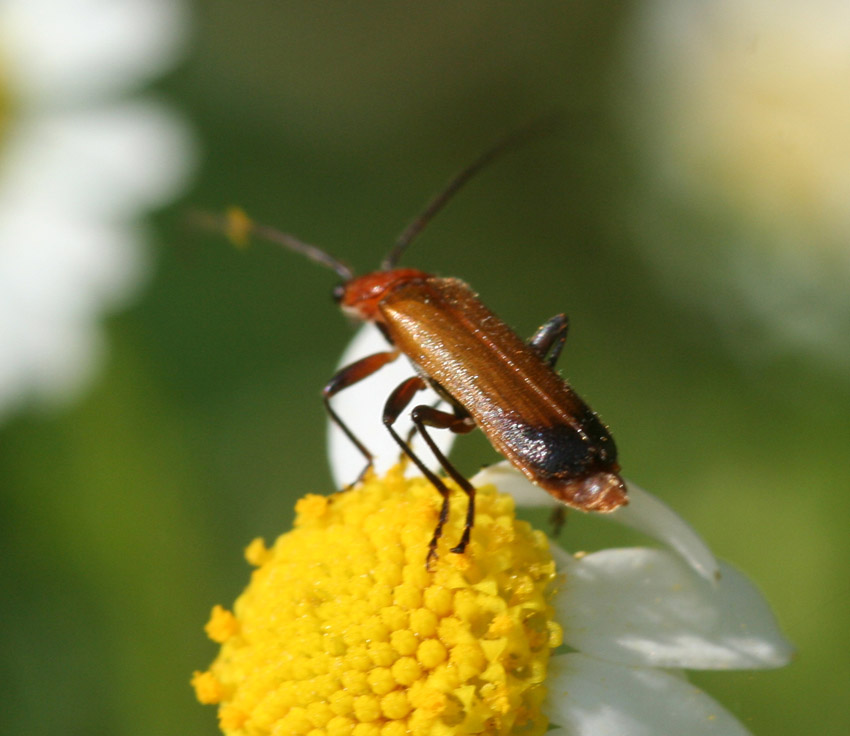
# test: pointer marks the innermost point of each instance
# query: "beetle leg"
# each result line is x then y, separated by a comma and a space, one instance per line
550, 337
459, 412
425, 415
348, 376
396, 403
558, 519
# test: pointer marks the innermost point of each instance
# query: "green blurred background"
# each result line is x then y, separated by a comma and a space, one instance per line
126, 514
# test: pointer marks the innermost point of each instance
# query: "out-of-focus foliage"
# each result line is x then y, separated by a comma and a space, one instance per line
124, 516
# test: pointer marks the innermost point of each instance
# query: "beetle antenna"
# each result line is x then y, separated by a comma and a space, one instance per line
238, 227
514, 139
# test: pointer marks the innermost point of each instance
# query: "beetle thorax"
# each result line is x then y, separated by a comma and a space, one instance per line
364, 293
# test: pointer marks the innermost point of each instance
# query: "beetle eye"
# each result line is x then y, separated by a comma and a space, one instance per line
338, 293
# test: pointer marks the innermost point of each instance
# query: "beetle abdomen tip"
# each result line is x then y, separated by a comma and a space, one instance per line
601, 492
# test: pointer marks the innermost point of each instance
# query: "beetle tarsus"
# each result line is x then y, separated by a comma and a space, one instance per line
367, 469
558, 519
347, 376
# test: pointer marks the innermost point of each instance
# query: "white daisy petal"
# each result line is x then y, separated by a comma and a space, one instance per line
116, 161
61, 51
644, 513
642, 606
508, 479
56, 274
742, 110
588, 697
651, 516
77, 171
361, 407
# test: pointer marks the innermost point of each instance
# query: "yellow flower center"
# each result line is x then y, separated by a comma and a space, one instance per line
342, 629
5, 101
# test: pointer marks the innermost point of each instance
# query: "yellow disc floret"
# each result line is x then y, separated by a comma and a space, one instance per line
344, 631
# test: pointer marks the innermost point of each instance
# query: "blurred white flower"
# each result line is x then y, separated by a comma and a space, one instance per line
743, 109
80, 163
635, 617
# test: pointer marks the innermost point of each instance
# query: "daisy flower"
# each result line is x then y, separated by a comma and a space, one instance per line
344, 630
80, 163
742, 110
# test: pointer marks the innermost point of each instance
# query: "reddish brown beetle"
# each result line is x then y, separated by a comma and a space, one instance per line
489, 376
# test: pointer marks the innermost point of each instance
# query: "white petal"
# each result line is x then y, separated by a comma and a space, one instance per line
649, 515
66, 51
361, 407
587, 697
57, 272
642, 606
509, 480
114, 161
644, 512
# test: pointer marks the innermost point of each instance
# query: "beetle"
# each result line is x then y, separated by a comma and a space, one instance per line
488, 375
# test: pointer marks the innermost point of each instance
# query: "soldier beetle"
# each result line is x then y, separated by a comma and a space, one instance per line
487, 374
